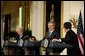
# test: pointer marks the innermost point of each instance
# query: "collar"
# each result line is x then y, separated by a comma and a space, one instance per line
67, 30
51, 31
20, 36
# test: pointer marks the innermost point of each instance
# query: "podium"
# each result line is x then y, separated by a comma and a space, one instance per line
59, 46
12, 48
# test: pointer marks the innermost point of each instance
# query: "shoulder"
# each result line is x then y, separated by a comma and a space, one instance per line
17, 35
55, 31
71, 32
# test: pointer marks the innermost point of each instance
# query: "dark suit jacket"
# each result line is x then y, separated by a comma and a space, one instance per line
18, 38
53, 35
71, 39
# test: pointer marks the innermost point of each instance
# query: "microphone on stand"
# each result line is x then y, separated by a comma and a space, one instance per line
45, 41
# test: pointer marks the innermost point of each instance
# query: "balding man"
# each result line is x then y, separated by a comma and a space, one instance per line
20, 34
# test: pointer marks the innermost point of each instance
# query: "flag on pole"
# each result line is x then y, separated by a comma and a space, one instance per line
80, 34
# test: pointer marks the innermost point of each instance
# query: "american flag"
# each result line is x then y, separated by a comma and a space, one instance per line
80, 34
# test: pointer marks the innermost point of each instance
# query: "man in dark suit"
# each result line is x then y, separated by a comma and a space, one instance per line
20, 34
71, 39
19, 39
51, 34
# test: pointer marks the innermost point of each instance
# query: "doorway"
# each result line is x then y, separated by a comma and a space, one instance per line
7, 24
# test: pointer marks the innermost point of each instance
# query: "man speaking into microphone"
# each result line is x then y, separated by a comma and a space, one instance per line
51, 34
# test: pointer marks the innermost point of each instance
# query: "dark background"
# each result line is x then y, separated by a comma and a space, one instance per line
57, 13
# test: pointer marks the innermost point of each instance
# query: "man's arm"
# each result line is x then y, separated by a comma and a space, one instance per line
66, 39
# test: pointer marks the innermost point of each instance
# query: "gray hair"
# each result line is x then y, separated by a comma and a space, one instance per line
52, 22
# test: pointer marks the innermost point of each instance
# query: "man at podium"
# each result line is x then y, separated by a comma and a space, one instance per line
51, 34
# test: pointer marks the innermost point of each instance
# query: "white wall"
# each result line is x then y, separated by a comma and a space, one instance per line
69, 10
36, 17
72, 9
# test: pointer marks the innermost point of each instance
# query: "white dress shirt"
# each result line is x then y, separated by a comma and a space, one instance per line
51, 31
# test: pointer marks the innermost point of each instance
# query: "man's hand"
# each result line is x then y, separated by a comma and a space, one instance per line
58, 40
